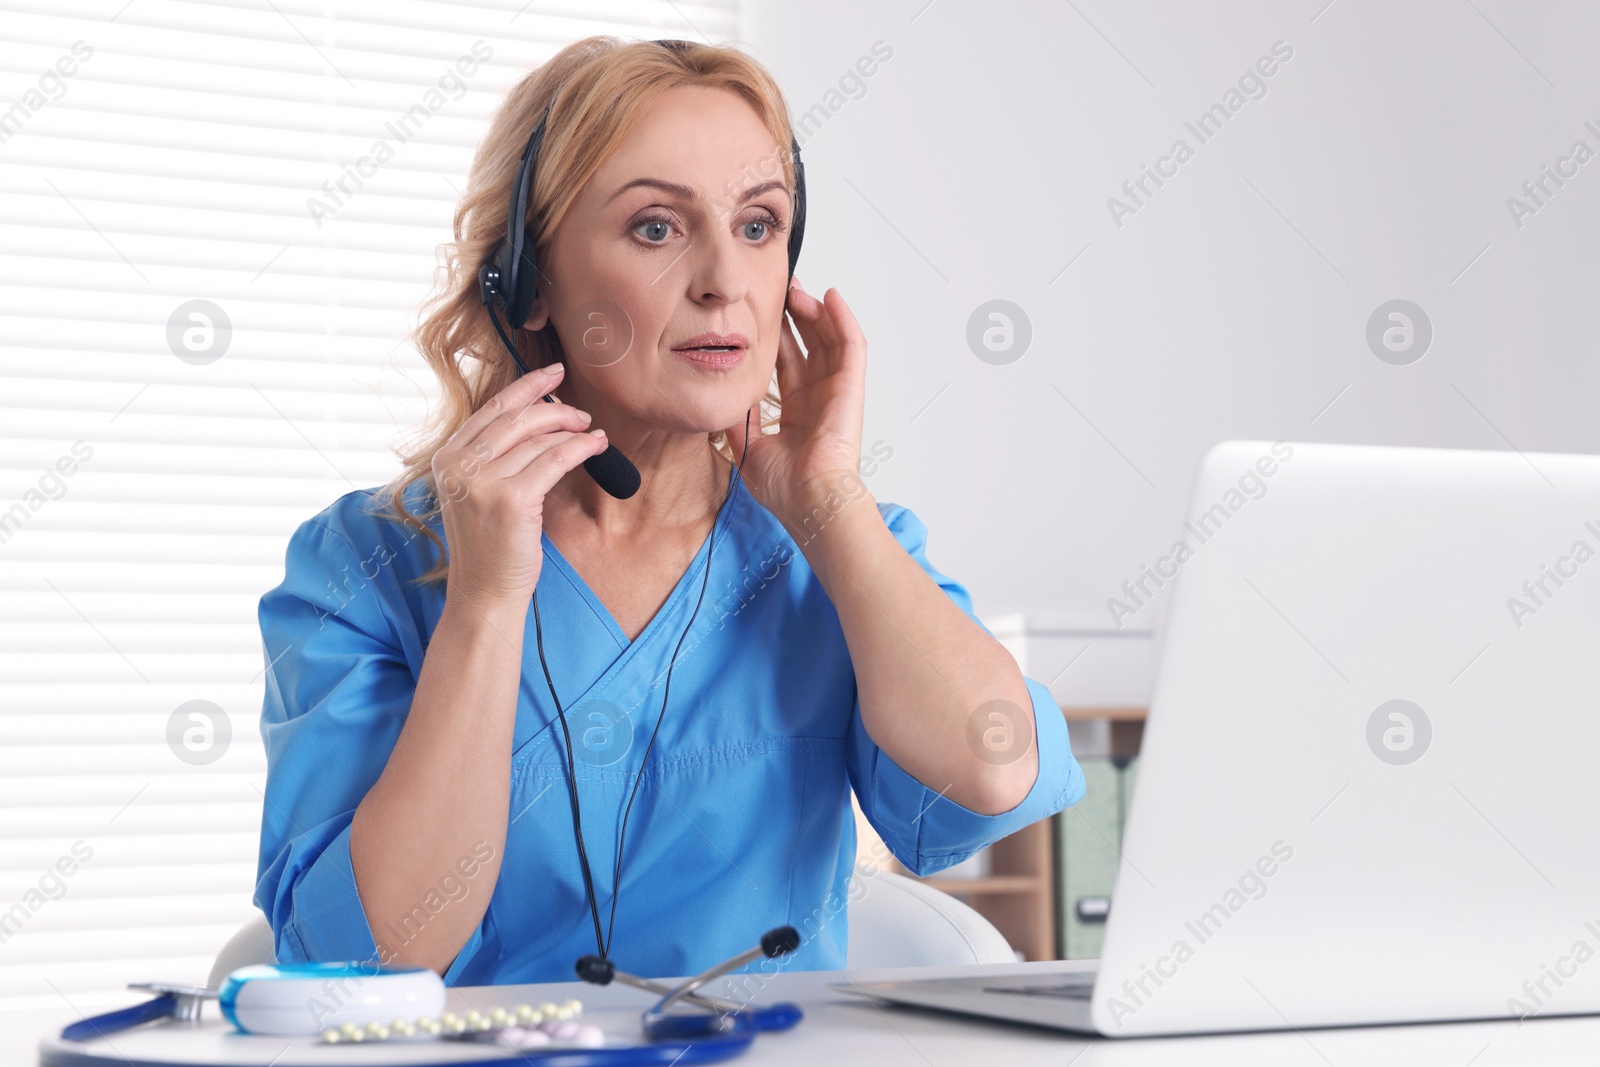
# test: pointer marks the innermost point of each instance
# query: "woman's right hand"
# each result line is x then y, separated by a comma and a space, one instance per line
492, 477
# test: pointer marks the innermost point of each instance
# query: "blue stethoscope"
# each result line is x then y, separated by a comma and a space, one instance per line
718, 1030
718, 1019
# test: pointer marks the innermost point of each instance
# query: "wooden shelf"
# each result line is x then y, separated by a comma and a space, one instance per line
1115, 714
962, 887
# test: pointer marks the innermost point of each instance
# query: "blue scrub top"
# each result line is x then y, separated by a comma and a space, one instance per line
742, 822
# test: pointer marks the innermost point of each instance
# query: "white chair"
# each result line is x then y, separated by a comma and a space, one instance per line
252, 944
899, 922
894, 922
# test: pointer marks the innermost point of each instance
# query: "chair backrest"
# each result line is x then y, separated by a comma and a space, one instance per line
252, 944
894, 922
899, 922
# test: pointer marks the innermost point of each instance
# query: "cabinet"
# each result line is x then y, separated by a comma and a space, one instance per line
1088, 839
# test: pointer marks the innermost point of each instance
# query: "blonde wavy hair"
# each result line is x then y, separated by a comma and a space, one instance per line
596, 89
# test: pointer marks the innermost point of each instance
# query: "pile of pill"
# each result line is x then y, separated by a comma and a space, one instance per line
524, 1026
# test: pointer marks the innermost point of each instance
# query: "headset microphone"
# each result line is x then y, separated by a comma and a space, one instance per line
611, 470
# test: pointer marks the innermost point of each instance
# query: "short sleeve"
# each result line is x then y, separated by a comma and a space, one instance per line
338, 690
926, 831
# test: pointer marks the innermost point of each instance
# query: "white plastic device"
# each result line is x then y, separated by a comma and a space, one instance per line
309, 998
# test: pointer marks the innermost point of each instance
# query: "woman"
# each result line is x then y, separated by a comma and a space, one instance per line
428, 801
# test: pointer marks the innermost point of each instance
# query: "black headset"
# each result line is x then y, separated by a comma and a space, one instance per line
508, 282
509, 279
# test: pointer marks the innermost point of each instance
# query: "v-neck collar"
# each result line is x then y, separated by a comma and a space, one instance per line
690, 575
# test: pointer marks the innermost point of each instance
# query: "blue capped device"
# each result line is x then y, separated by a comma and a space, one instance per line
309, 998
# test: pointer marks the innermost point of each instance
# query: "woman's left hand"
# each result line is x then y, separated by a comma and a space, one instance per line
817, 449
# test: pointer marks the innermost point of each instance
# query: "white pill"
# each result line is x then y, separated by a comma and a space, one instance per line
566, 1029
589, 1036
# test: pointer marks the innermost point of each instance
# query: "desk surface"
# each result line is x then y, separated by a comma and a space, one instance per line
841, 1029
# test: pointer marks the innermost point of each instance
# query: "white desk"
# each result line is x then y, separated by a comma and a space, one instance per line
840, 1030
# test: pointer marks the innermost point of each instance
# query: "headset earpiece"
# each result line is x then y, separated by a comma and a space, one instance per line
515, 257
797, 226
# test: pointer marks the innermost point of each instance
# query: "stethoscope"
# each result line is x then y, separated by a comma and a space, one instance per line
719, 1030
717, 1017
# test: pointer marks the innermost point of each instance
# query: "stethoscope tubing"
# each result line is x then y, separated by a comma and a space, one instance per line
663, 1053
675, 1026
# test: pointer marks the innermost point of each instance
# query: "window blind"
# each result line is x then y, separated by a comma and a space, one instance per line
202, 343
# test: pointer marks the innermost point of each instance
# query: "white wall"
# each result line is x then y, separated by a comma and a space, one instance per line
1378, 165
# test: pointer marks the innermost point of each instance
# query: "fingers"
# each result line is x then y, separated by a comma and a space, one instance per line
537, 464
791, 361
531, 420
472, 454
810, 317
801, 304
525, 390
852, 343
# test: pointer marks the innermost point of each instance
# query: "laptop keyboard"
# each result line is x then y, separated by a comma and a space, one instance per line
1076, 987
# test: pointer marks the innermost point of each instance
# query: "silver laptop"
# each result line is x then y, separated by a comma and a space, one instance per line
1370, 777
